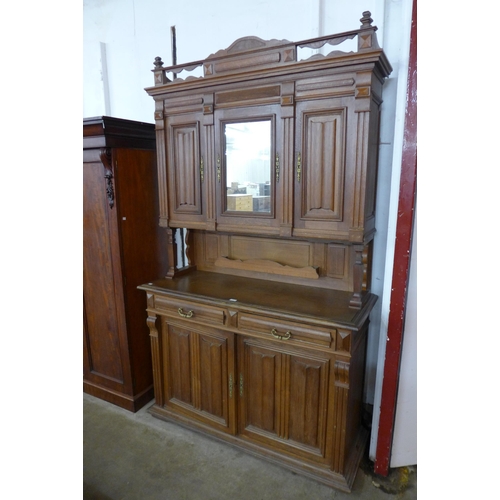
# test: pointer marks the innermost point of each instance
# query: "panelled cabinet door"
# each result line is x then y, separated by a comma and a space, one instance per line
249, 170
285, 400
186, 158
323, 147
199, 374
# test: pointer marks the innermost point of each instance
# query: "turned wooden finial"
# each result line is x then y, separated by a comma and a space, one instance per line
367, 39
158, 63
366, 20
159, 72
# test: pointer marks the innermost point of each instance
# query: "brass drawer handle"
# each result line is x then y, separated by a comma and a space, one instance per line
274, 333
189, 314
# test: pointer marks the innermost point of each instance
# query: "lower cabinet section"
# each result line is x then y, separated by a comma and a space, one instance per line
297, 404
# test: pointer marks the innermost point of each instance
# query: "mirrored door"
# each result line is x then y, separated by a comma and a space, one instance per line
248, 166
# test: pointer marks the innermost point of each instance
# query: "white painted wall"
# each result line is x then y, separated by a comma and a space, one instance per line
121, 38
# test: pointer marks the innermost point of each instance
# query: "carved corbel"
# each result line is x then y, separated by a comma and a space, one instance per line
361, 274
341, 370
105, 157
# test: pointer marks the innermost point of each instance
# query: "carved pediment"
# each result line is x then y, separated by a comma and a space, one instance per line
248, 43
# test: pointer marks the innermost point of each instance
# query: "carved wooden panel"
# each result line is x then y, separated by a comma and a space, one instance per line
199, 376
327, 265
308, 402
258, 95
179, 372
213, 375
187, 168
185, 156
261, 389
286, 252
285, 400
323, 164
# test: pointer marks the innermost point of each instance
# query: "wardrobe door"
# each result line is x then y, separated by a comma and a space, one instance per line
104, 318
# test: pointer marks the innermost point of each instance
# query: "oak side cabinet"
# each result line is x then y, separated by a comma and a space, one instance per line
121, 247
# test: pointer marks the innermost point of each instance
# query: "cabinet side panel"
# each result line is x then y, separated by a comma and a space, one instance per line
356, 384
98, 280
372, 160
143, 243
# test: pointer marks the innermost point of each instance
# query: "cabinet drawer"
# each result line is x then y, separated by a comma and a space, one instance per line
188, 310
286, 331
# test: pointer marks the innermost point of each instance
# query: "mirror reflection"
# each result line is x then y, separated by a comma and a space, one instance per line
248, 166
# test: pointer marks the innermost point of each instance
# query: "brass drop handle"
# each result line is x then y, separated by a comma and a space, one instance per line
189, 314
274, 333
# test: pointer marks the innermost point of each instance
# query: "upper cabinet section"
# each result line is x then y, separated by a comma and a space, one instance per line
268, 144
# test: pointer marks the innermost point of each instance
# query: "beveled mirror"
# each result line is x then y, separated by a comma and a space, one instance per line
248, 166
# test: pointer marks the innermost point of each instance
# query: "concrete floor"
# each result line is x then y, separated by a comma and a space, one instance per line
129, 456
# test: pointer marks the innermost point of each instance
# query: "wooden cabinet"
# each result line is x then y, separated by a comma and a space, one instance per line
121, 245
267, 170
262, 371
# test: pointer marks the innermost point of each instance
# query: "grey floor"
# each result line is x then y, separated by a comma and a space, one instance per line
129, 456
